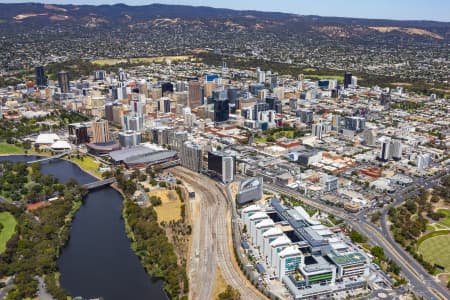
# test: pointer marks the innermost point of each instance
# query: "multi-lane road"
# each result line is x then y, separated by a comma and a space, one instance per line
212, 247
421, 282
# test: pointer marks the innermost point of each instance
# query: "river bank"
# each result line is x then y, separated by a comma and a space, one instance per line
97, 260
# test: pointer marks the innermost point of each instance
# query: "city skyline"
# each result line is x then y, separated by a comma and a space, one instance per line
435, 10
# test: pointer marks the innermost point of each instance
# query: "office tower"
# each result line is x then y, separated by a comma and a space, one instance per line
135, 123
191, 156
129, 138
254, 88
278, 107
209, 88
100, 75
260, 75
78, 133
355, 123
423, 161
385, 99
317, 130
279, 92
347, 80
306, 116
396, 149
166, 88
370, 137
336, 122
100, 131
118, 114
163, 105
386, 149
273, 81
109, 111
41, 78
122, 75
222, 164
221, 110
63, 81
293, 104
233, 94
354, 81
195, 94
271, 102
137, 106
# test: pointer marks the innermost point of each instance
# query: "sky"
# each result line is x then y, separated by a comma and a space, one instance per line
438, 10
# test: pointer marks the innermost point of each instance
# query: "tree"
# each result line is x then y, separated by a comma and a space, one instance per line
357, 237
229, 294
377, 251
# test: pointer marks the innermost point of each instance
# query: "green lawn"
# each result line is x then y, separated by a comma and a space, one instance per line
337, 77
6, 148
9, 227
88, 163
445, 221
436, 250
286, 133
259, 140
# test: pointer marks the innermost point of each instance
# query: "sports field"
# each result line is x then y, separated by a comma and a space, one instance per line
436, 250
9, 227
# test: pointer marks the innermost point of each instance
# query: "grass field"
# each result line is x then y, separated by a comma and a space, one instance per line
436, 250
89, 164
115, 61
259, 139
337, 77
9, 227
10, 149
286, 133
170, 208
445, 221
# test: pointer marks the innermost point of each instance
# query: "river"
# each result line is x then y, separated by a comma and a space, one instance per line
98, 261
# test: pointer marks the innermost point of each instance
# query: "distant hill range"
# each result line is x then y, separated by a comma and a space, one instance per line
33, 16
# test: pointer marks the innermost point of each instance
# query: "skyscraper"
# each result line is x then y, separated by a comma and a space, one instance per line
195, 94
100, 131
63, 81
347, 80
41, 78
396, 149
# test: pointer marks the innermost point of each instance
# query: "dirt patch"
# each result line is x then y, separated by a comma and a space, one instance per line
220, 284
170, 208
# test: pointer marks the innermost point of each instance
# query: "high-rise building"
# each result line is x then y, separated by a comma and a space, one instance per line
78, 133
396, 149
109, 111
191, 156
222, 164
195, 94
63, 81
100, 75
250, 190
370, 137
129, 138
166, 88
423, 161
354, 81
41, 78
336, 122
118, 114
386, 149
306, 116
317, 130
355, 123
122, 75
347, 80
260, 76
100, 131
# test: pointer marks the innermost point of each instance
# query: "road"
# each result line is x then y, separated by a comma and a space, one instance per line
212, 240
421, 282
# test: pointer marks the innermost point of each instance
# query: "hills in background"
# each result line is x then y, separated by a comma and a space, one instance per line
32, 16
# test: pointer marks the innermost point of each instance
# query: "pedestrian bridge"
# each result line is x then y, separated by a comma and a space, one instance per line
99, 183
48, 159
